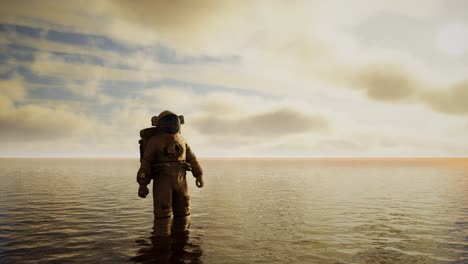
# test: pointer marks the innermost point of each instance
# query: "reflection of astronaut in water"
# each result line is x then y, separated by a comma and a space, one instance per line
165, 157
169, 243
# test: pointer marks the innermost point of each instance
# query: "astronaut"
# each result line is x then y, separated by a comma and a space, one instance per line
165, 158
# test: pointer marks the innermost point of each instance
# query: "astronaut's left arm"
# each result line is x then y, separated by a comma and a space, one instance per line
193, 161
197, 170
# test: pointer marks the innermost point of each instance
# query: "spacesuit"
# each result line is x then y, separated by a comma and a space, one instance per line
165, 159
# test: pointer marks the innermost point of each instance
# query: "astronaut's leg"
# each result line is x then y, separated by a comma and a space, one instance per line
181, 200
180, 224
162, 196
180, 233
162, 227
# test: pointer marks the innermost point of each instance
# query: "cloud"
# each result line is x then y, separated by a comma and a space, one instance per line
82, 81
232, 104
32, 122
453, 100
384, 82
270, 124
191, 25
228, 26
11, 90
212, 26
29, 123
393, 83
48, 12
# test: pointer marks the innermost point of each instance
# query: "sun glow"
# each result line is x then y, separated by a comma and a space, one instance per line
452, 39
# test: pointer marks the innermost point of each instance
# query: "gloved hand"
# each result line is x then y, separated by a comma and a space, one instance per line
199, 182
143, 191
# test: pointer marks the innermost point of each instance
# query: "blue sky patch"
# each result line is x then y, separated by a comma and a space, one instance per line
32, 77
22, 30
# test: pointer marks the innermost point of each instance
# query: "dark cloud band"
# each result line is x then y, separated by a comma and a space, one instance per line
276, 123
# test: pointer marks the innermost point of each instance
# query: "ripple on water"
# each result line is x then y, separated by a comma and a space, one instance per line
262, 211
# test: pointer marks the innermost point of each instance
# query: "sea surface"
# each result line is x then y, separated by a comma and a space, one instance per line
250, 211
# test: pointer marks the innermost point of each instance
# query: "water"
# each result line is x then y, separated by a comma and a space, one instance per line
250, 211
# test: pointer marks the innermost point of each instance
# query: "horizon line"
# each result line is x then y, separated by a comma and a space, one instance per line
244, 157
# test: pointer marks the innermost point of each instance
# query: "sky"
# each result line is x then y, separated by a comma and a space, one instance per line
364, 78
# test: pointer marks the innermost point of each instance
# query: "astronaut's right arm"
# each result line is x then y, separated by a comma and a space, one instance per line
144, 175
